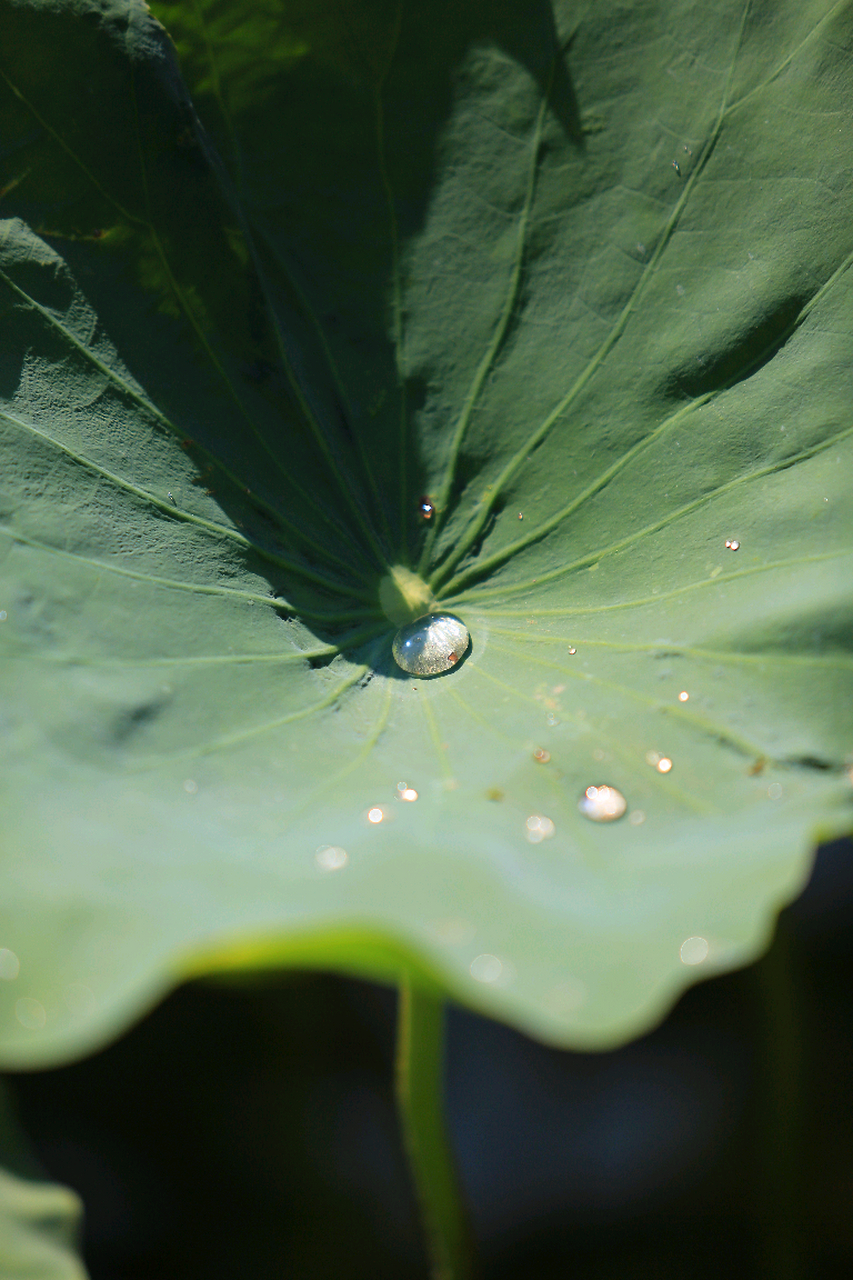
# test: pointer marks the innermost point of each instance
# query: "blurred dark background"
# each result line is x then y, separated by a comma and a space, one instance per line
249, 1130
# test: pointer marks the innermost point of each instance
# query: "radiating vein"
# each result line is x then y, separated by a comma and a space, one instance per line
498, 337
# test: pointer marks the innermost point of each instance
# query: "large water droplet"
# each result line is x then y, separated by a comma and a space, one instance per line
602, 803
431, 645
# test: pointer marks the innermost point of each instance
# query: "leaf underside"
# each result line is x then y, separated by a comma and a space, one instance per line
581, 279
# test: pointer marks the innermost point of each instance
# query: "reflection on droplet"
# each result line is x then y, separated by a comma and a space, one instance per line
541, 756
637, 818
454, 931
520, 516
3, 615
683, 696
551, 719
664, 764
602, 803
538, 828
732, 544
431, 645
331, 857
375, 815
407, 793
572, 650
426, 508
190, 786
80, 1000
486, 968
10, 965
694, 950
775, 791
567, 996
30, 1013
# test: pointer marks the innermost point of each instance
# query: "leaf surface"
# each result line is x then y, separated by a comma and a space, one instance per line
580, 279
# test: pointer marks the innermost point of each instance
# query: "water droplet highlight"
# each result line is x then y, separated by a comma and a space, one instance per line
406, 793
431, 645
541, 756
375, 815
683, 696
602, 803
190, 786
30, 1014
664, 764
426, 509
732, 544
694, 950
572, 650
486, 968
521, 515
331, 857
538, 828
774, 791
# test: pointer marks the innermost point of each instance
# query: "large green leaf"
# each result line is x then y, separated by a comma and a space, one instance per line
583, 279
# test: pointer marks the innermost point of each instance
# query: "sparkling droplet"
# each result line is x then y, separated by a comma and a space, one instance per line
694, 950
664, 764
774, 791
30, 1014
426, 508
431, 645
407, 793
486, 968
538, 828
541, 756
331, 857
732, 544
602, 803
375, 815
520, 515
572, 651
683, 696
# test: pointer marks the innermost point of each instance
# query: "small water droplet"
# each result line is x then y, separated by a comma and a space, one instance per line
520, 515
652, 757
10, 965
602, 803
694, 950
683, 696
426, 509
494, 793
486, 968
774, 791
551, 719
538, 828
541, 756
3, 615
732, 544
80, 1000
407, 793
375, 815
676, 167
572, 651
637, 818
30, 1014
431, 645
664, 764
331, 857
190, 786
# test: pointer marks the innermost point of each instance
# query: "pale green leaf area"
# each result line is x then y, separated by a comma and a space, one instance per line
582, 279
